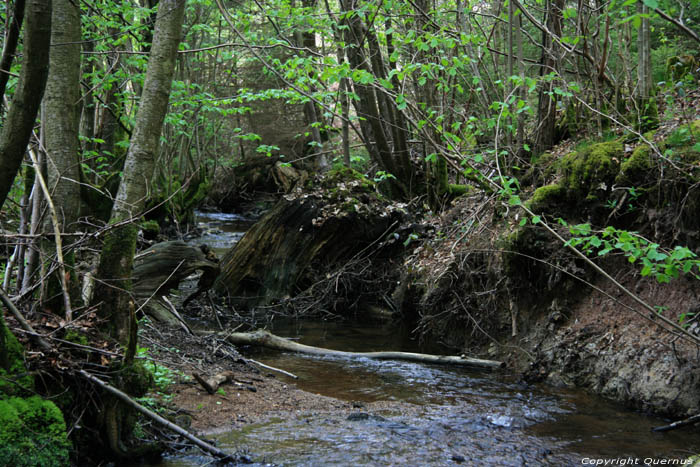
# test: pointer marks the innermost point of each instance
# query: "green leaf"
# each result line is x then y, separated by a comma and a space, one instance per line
652, 4
595, 242
536, 219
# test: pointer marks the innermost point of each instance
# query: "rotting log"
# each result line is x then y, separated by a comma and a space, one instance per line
274, 258
264, 338
160, 269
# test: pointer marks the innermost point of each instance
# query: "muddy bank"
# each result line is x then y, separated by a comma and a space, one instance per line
494, 283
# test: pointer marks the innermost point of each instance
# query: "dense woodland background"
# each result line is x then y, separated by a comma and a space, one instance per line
151, 109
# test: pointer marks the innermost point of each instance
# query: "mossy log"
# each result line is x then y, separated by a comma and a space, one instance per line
163, 266
266, 339
299, 235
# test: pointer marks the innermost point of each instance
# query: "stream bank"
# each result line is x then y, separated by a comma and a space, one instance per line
360, 412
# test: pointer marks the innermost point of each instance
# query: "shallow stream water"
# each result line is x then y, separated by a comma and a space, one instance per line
438, 415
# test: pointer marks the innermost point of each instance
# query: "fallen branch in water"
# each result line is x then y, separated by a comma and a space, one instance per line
204, 446
272, 368
266, 339
680, 423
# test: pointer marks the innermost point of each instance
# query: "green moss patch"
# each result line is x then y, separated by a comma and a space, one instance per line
14, 378
33, 433
591, 169
546, 197
345, 175
635, 169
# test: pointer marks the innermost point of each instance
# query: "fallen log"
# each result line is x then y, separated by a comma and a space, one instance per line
266, 339
162, 267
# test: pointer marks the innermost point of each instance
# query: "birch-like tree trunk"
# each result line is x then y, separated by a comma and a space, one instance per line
116, 259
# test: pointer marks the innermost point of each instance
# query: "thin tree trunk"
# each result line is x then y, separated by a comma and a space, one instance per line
547, 103
25, 104
8, 51
32, 255
117, 255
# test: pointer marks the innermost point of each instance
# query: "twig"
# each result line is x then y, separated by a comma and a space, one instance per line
57, 240
173, 310
204, 446
268, 367
23, 322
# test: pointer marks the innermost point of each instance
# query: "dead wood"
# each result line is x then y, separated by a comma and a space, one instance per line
204, 446
266, 339
23, 322
680, 423
163, 266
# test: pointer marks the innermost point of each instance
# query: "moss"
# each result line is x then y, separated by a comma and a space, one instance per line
151, 227
636, 168
14, 378
542, 168
76, 337
455, 189
347, 175
546, 197
136, 379
33, 433
590, 169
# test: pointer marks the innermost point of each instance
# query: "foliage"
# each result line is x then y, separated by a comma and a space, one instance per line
661, 264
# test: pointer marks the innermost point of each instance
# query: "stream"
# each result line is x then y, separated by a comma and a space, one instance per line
434, 415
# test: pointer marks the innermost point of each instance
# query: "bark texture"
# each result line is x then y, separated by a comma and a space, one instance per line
8, 51
117, 255
61, 107
30, 89
296, 239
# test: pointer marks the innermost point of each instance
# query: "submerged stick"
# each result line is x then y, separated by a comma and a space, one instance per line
680, 423
204, 446
266, 339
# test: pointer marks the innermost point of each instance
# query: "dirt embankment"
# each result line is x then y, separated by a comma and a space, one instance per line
491, 282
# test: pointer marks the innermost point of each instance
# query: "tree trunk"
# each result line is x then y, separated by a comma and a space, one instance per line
25, 104
117, 255
8, 51
61, 103
547, 103
648, 111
